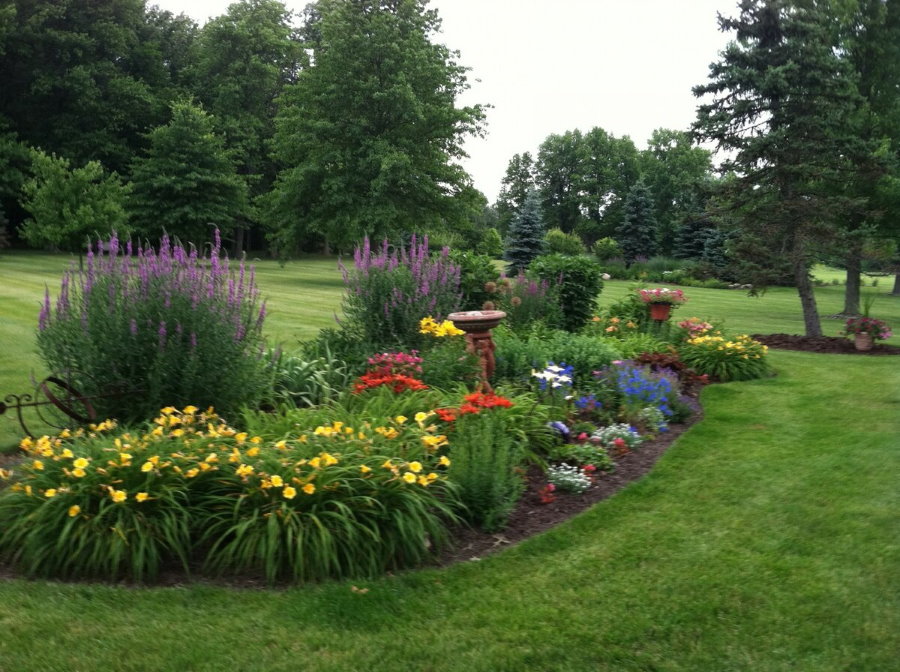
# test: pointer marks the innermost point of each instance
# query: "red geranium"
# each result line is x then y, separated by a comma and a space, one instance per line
396, 381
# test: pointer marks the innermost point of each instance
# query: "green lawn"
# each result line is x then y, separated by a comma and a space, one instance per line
305, 295
766, 539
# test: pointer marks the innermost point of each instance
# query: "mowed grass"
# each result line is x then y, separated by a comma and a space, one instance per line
764, 540
305, 295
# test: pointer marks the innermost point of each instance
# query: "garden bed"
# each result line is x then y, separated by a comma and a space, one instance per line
531, 516
833, 345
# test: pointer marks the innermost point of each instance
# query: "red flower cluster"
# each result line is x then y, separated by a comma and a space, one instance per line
396, 381
473, 403
545, 494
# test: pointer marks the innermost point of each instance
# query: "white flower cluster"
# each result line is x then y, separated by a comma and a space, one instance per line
607, 436
569, 478
554, 376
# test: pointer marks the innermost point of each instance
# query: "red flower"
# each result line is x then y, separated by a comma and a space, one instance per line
446, 414
589, 469
546, 495
398, 382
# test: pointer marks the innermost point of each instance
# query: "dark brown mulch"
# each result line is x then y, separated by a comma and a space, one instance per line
531, 517
832, 345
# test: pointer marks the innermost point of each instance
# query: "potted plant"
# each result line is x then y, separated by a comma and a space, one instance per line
865, 330
661, 301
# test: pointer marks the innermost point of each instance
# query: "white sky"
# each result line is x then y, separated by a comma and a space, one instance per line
626, 66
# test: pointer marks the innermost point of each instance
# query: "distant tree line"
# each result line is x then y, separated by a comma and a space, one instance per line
300, 133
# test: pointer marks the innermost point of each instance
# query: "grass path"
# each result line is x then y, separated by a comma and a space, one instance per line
766, 539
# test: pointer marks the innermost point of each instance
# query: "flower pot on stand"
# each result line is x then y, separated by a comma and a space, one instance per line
660, 311
863, 341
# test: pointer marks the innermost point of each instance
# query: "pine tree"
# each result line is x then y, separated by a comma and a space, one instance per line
525, 240
186, 183
637, 234
785, 105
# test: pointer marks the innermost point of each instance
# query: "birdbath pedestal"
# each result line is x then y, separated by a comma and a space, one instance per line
478, 324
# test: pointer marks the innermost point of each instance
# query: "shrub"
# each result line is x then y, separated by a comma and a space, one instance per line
584, 453
606, 249
526, 301
492, 243
170, 326
387, 292
485, 462
579, 284
741, 358
557, 241
476, 271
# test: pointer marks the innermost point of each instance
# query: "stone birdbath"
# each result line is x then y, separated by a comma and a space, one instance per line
478, 324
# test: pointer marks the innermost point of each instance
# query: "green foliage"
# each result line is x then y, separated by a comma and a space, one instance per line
517, 183
83, 80
165, 328
307, 381
528, 303
525, 239
556, 241
69, 205
578, 284
606, 248
517, 355
186, 181
491, 243
583, 453
632, 345
475, 272
485, 463
676, 172
637, 233
369, 135
448, 364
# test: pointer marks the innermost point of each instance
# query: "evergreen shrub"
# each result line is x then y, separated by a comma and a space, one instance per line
579, 283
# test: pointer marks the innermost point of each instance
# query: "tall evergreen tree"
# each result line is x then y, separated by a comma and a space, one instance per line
637, 234
370, 136
525, 239
186, 182
518, 181
784, 105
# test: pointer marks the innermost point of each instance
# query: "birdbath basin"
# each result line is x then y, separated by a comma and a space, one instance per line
476, 321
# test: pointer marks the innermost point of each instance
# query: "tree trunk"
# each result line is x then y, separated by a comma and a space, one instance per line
853, 261
896, 290
807, 299
237, 248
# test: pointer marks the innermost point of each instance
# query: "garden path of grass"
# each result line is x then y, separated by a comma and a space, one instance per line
766, 539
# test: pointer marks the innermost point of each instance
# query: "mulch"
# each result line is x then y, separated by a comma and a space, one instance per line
831, 345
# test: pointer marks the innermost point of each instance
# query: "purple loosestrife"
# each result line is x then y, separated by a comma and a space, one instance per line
180, 326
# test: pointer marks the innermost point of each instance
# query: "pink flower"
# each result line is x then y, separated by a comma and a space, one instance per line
589, 469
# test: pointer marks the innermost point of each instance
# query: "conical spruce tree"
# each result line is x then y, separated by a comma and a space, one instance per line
525, 240
637, 233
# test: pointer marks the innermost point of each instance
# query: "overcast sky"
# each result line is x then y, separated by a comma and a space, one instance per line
626, 66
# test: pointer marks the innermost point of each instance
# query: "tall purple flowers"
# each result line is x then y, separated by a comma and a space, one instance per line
180, 325
389, 289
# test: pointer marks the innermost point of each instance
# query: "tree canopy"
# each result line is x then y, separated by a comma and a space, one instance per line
369, 137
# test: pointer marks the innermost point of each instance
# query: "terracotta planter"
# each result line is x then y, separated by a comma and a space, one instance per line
660, 311
863, 341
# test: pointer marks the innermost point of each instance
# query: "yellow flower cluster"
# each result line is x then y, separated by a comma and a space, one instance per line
742, 346
182, 446
428, 325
